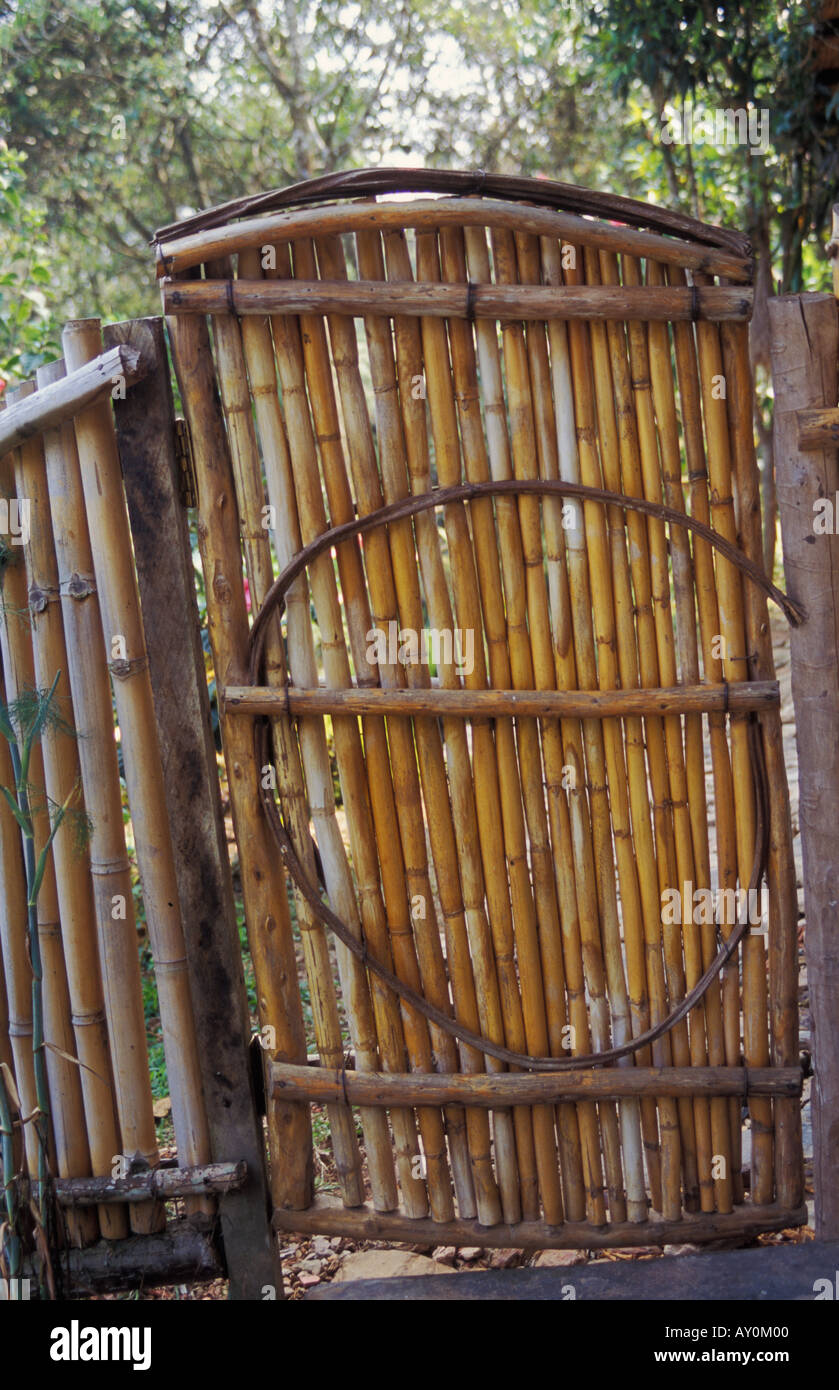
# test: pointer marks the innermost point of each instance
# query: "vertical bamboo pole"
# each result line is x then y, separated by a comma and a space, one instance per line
17, 970
72, 1154
472, 566
688, 776
233, 381
511, 662
605, 757
475, 999
394, 790
97, 754
579, 922
724, 1138
263, 881
675, 850
735, 667
787, 328
116, 583
72, 865
641, 904
146, 438
250, 498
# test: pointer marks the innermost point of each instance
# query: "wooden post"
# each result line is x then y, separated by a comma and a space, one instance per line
805, 343
146, 437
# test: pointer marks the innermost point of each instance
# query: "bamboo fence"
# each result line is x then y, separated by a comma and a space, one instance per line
100, 1122
481, 543
492, 423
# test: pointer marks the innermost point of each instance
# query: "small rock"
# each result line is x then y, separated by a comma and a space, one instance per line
634, 1250
504, 1259
321, 1245
469, 1253
559, 1259
310, 1266
387, 1264
680, 1249
445, 1254
308, 1281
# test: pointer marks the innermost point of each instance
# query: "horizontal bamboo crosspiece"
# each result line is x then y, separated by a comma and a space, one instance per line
68, 395
318, 1084
477, 301
539, 704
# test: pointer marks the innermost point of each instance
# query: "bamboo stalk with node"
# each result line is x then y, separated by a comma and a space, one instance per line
725, 1134
392, 571
735, 668
687, 770
636, 660
594, 624
784, 1120
475, 792
512, 1131
13, 945
70, 857
313, 751
71, 1155
655, 648
263, 882
124, 641
97, 754
500, 572
395, 790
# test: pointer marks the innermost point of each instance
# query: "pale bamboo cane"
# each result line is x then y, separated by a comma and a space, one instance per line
263, 881
566, 448
525, 463
637, 647
384, 1021
17, 970
97, 753
116, 583
250, 497
72, 865
783, 952
383, 600
501, 802
461, 903
547, 447
516, 665
735, 667
631, 1009
259, 354
725, 1123
635, 1005
72, 1154
395, 791
410, 369
675, 850
664, 402
580, 915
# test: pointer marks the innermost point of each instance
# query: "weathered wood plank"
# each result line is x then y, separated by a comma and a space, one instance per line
145, 432
362, 1223
540, 704
805, 343
358, 297
323, 1085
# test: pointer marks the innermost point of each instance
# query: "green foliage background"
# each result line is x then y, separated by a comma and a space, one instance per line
115, 119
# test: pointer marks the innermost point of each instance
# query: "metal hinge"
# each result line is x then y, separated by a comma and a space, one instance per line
186, 464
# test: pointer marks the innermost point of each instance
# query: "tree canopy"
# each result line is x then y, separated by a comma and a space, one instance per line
116, 119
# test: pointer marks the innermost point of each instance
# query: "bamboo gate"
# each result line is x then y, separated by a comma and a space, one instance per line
503, 712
